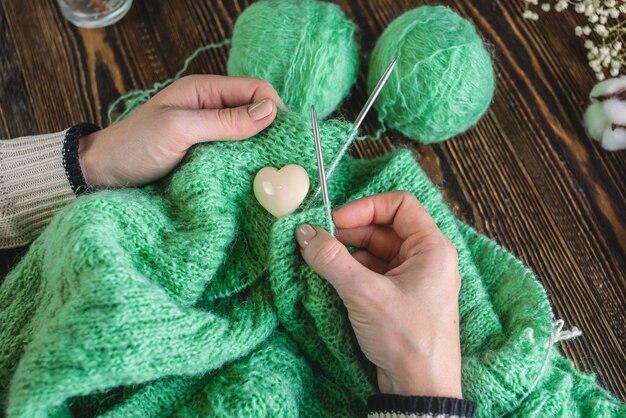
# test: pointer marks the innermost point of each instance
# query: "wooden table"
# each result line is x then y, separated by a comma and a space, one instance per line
527, 175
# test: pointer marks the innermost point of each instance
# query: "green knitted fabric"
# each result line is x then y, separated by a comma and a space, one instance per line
187, 299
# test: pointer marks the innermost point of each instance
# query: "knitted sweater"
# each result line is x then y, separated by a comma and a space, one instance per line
42, 173
186, 298
38, 176
33, 186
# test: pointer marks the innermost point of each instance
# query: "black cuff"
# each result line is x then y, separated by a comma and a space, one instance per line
407, 405
70, 156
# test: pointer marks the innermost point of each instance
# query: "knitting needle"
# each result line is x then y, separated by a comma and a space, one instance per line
359, 120
320, 157
374, 95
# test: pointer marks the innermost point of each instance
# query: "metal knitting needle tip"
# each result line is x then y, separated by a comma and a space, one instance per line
374, 95
320, 157
355, 127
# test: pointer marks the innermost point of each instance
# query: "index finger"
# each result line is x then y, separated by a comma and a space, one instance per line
207, 91
400, 209
238, 91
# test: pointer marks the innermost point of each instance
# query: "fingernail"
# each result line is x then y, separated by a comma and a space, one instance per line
260, 110
304, 234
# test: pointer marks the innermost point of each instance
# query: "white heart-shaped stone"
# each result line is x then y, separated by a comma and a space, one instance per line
280, 192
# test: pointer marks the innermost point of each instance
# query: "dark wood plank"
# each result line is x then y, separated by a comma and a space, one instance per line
16, 114
526, 175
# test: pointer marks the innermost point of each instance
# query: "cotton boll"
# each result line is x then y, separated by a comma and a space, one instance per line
596, 121
615, 110
609, 86
605, 118
614, 139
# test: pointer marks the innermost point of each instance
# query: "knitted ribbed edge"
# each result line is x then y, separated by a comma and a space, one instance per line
70, 156
33, 186
387, 405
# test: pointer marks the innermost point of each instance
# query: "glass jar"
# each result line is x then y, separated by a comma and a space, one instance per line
94, 13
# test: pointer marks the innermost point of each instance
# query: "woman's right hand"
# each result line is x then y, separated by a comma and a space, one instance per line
401, 290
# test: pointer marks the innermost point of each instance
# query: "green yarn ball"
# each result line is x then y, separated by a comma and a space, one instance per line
304, 48
444, 80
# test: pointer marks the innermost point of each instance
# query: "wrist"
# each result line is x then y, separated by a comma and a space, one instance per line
444, 382
88, 160
71, 156
432, 369
424, 359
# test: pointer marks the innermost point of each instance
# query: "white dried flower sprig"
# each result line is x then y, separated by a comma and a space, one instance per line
604, 33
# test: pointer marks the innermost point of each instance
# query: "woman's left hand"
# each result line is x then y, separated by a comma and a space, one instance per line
150, 142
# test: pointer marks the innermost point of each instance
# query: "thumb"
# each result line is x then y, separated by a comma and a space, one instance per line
331, 260
232, 124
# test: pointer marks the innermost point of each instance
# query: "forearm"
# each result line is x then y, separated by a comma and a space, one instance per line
39, 175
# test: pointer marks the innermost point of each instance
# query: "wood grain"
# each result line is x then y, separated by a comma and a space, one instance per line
526, 175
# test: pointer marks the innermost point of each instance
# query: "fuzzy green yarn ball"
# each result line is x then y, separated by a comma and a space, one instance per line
444, 80
304, 48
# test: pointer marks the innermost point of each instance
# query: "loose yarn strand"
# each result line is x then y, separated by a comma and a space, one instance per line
344, 148
361, 116
351, 138
329, 172
135, 98
341, 153
558, 335
329, 219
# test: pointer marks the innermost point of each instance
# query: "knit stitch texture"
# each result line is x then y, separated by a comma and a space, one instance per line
304, 48
442, 84
186, 298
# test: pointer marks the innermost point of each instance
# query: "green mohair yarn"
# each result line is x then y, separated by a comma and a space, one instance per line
186, 298
444, 80
304, 48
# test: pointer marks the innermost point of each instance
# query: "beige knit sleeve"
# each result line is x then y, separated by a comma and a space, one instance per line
33, 186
